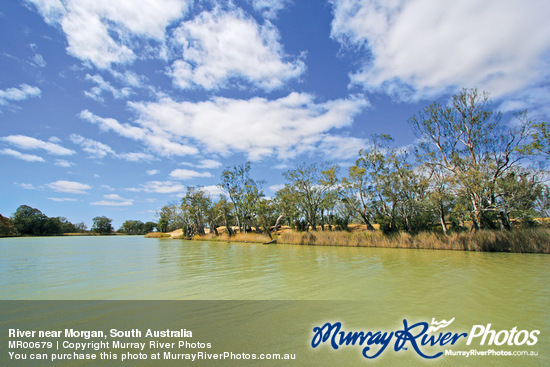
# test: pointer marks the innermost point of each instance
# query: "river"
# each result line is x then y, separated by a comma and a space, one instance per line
379, 287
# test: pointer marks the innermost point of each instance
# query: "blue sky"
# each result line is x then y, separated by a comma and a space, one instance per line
114, 107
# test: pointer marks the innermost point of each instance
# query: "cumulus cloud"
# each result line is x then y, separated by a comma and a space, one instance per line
259, 127
27, 142
213, 191
220, 45
71, 187
209, 163
104, 86
24, 91
187, 174
158, 140
101, 32
94, 148
136, 157
62, 199
152, 172
113, 200
269, 8
160, 187
63, 163
421, 48
22, 156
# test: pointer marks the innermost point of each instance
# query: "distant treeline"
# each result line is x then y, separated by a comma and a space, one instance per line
32, 222
468, 171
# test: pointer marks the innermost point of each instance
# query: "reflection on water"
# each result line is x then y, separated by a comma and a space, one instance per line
381, 286
140, 268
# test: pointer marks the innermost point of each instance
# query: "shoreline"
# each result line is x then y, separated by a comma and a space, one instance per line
518, 241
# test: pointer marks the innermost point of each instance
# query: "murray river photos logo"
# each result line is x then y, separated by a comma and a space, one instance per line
419, 337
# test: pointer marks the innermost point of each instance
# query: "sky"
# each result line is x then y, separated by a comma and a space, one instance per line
115, 107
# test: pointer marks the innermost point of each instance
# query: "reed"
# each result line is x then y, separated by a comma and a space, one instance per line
519, 240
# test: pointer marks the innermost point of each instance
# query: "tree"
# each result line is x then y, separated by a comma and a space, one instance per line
243, 191
80, 227
468, 142
30, 221
223, 208
132, 227
541, 139
149, 227
197, 206
170, 217
7, 227
308, 190
102, 225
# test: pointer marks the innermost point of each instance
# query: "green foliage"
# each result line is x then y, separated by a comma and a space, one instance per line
31, 221
102, 225
244, 193
309, 192
136, 227
467, 143
7, 227
170, 217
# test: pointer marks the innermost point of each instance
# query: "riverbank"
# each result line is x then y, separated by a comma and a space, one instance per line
536, 240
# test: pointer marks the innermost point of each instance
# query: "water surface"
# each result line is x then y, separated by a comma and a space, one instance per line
378, 287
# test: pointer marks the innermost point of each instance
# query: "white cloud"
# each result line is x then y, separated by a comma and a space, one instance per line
112, 203
27, 142
18, 94
152, 172
136, 157
27, 186
104, 86
421, 48
187, 174
22, 156
63, 163
62, 199
259, 127
113, 200
160, 187
101, 31
209, 163
214, 191
342, 147
160, 141
269, 8
39, 61
204, 164
94, 148
218, 46
275, 188
71, 187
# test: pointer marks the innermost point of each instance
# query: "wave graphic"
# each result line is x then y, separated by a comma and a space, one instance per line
439, 325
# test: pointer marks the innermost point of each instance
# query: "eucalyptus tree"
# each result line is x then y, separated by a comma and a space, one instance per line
197, 208
541, 139
309, 191
470, 144
243, 192
102, 225
223, 208
170, 217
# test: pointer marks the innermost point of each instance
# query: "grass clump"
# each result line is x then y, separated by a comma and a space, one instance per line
520, 240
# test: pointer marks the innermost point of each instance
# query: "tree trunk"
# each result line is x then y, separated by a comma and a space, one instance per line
442, 218
504, 221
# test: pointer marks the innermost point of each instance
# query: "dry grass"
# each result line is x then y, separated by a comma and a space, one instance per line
157, 235
535, 240
239, 237
521, 240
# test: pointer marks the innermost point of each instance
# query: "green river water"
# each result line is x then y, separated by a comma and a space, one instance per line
268, 298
